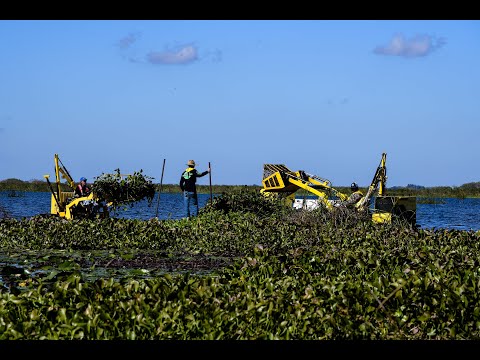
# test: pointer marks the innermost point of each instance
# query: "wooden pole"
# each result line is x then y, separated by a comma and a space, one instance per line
210, 177
161, 182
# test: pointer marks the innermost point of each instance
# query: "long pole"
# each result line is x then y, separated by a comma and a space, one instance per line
161, 182
210, 177
53, 192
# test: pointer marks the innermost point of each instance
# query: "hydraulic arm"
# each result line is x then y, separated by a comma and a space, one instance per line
378, 184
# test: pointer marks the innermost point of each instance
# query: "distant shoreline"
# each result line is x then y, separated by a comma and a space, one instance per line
470, 190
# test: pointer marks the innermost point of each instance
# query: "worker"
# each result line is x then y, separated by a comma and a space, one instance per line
82, 189
353, 198
188, 185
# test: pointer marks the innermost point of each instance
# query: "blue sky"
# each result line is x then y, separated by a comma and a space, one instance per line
324, 96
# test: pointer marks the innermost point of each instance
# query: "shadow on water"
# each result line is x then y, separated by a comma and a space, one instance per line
52, 265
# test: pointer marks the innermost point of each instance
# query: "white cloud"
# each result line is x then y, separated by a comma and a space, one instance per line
183, 55
420, 45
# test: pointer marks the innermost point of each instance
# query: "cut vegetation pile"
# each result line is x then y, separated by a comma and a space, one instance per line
124, 190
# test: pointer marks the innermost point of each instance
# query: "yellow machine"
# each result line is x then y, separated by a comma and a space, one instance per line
279, 181
69, 206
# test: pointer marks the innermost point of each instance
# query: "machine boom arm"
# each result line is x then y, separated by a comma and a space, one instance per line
379, 182
60, 169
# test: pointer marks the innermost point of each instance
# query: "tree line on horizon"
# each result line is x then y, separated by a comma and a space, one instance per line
471, 189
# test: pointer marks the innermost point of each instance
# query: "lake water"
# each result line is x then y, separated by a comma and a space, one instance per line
459, 214
27, 204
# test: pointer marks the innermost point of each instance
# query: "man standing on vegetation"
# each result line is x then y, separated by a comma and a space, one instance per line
188, 185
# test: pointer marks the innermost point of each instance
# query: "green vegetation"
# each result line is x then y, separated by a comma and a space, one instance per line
245, 268
124, 190
20, 185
